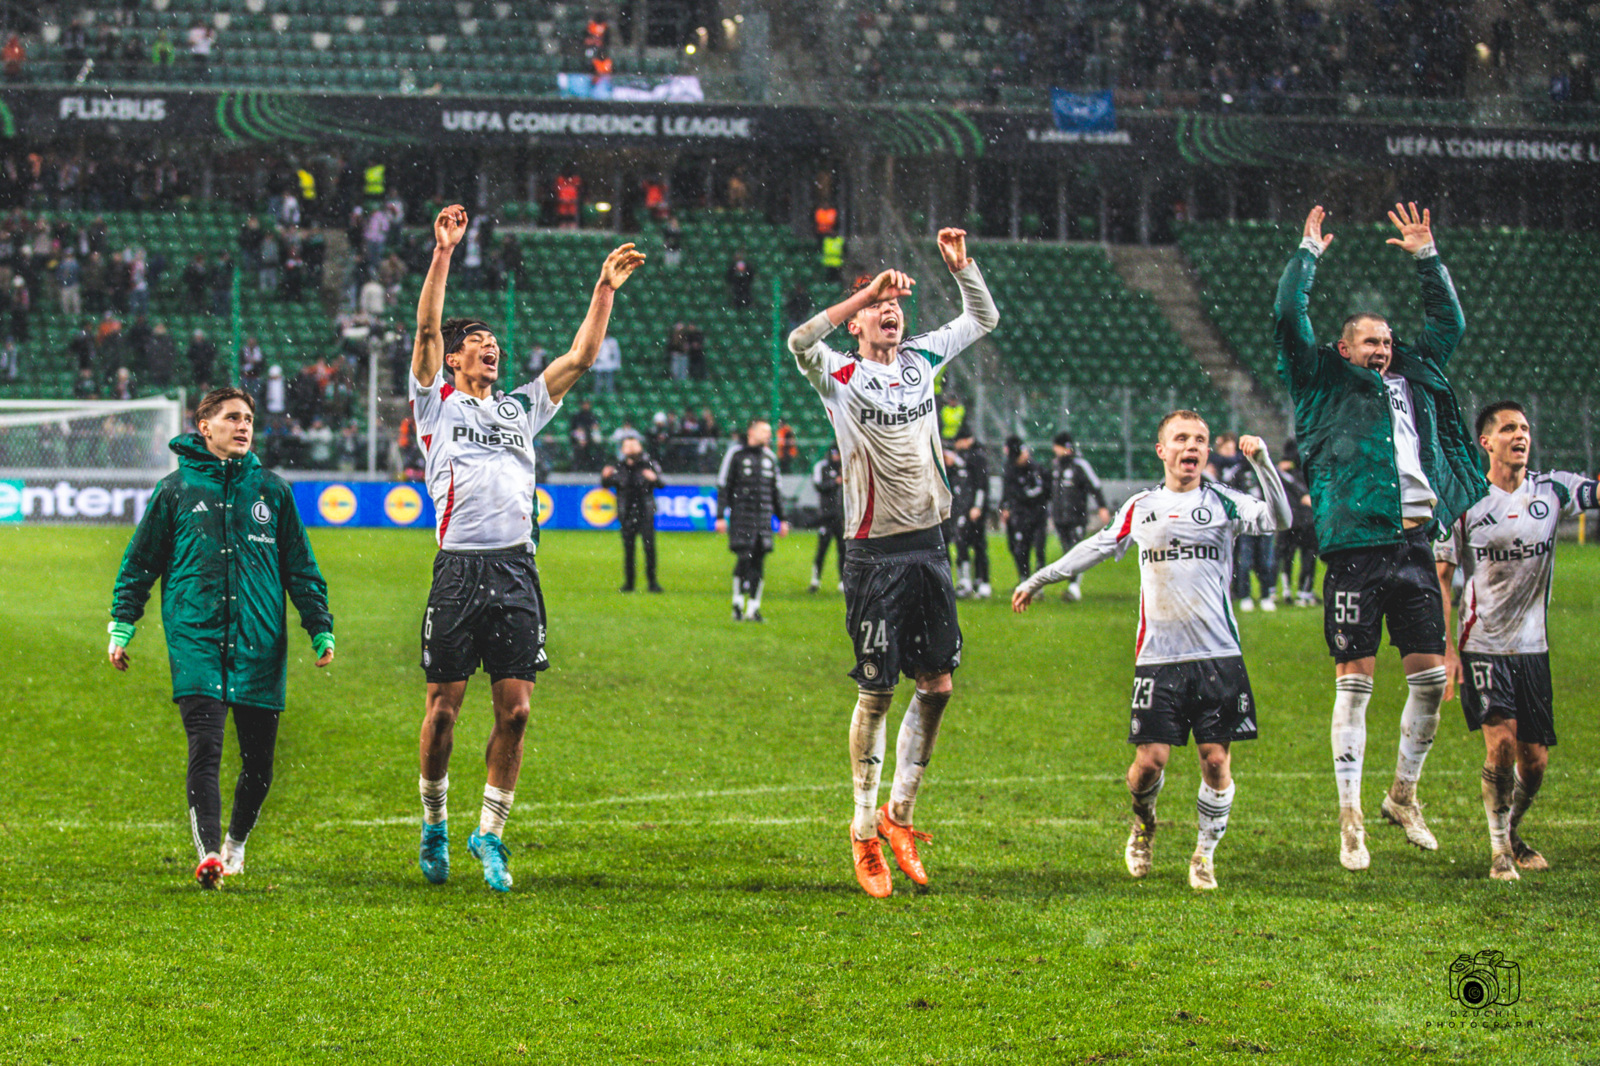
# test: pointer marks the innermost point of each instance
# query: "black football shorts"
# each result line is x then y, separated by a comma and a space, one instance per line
484, 607
1510, 686
1397, 584
1209, 697
900, 614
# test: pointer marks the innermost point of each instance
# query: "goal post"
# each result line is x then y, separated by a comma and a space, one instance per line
84, 461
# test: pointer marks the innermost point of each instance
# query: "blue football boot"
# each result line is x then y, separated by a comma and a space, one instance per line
434, 856
487, 849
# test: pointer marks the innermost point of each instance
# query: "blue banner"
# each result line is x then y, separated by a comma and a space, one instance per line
405, 505
1083, 112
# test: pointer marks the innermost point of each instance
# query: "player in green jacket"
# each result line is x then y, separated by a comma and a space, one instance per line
1389, 462
226, 541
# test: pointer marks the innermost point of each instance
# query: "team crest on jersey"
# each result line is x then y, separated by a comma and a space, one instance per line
1341, 641
1133, 726
1538, 508
911, 375
1201, 515
261, 512
507, 410
869, 671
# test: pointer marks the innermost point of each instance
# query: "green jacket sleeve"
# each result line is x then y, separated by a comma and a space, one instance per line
1442, 321
146, 559
297, 569
1297, 344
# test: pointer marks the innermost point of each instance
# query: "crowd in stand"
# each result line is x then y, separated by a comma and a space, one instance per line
1247, 51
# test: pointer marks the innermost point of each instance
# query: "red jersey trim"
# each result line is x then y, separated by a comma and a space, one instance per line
844, 373
449, 504
1127, 523
865, 528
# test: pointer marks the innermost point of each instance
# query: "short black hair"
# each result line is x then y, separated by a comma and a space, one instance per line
1063, 439
454, 331
1360, 316
1487, 416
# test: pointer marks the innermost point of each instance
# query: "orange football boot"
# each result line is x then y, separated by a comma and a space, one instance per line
903, 842
870, 868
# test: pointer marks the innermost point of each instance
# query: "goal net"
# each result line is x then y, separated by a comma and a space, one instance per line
123, 439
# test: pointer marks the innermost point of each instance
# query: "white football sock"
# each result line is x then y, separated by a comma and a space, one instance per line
754, 603
738, 594
433, 798
1498, 786
1212, 807
867, 738
1418, 724
1144, 802
496, 806
912, 750
1352, 694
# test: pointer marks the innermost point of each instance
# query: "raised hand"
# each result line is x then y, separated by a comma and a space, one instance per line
890, 285
620, 265
1416, 231
953, 246
1250, 447
450, 227
1313, 228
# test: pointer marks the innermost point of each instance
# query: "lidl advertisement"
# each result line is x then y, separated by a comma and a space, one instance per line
368, 504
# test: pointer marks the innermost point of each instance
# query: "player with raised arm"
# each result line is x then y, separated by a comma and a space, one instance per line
900, 602
1189, 673
485, 605
1505, 544
1389, 463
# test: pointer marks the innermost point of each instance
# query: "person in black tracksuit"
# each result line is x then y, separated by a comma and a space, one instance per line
1301, 538
1073, 485
634, 478
1025, 507
827, 477
749, 497
1252, 554
969, 509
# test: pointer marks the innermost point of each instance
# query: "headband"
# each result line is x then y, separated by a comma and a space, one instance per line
460, 334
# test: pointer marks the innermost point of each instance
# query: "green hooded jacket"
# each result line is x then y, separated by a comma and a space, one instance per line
226, 541
1342, 422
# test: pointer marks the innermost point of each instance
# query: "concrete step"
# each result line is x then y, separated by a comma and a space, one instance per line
1165, 274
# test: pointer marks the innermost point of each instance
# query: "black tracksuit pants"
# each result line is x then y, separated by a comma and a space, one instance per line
646, 534
204, 720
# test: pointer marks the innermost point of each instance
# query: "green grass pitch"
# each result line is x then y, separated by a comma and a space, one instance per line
684, 892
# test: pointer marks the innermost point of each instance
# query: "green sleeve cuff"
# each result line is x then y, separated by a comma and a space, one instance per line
322, 644
121, 633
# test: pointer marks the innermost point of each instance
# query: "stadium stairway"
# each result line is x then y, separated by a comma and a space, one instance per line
1164, 273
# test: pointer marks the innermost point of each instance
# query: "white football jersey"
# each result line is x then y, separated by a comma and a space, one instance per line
886, 419
1505, 545
480, 461
1185, 542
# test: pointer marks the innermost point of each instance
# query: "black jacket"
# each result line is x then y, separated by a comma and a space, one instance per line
636, 495
1025, 491
830, 498
1073, 485
969, 482
749, 495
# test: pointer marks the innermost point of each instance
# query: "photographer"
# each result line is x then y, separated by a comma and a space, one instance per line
635, 478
